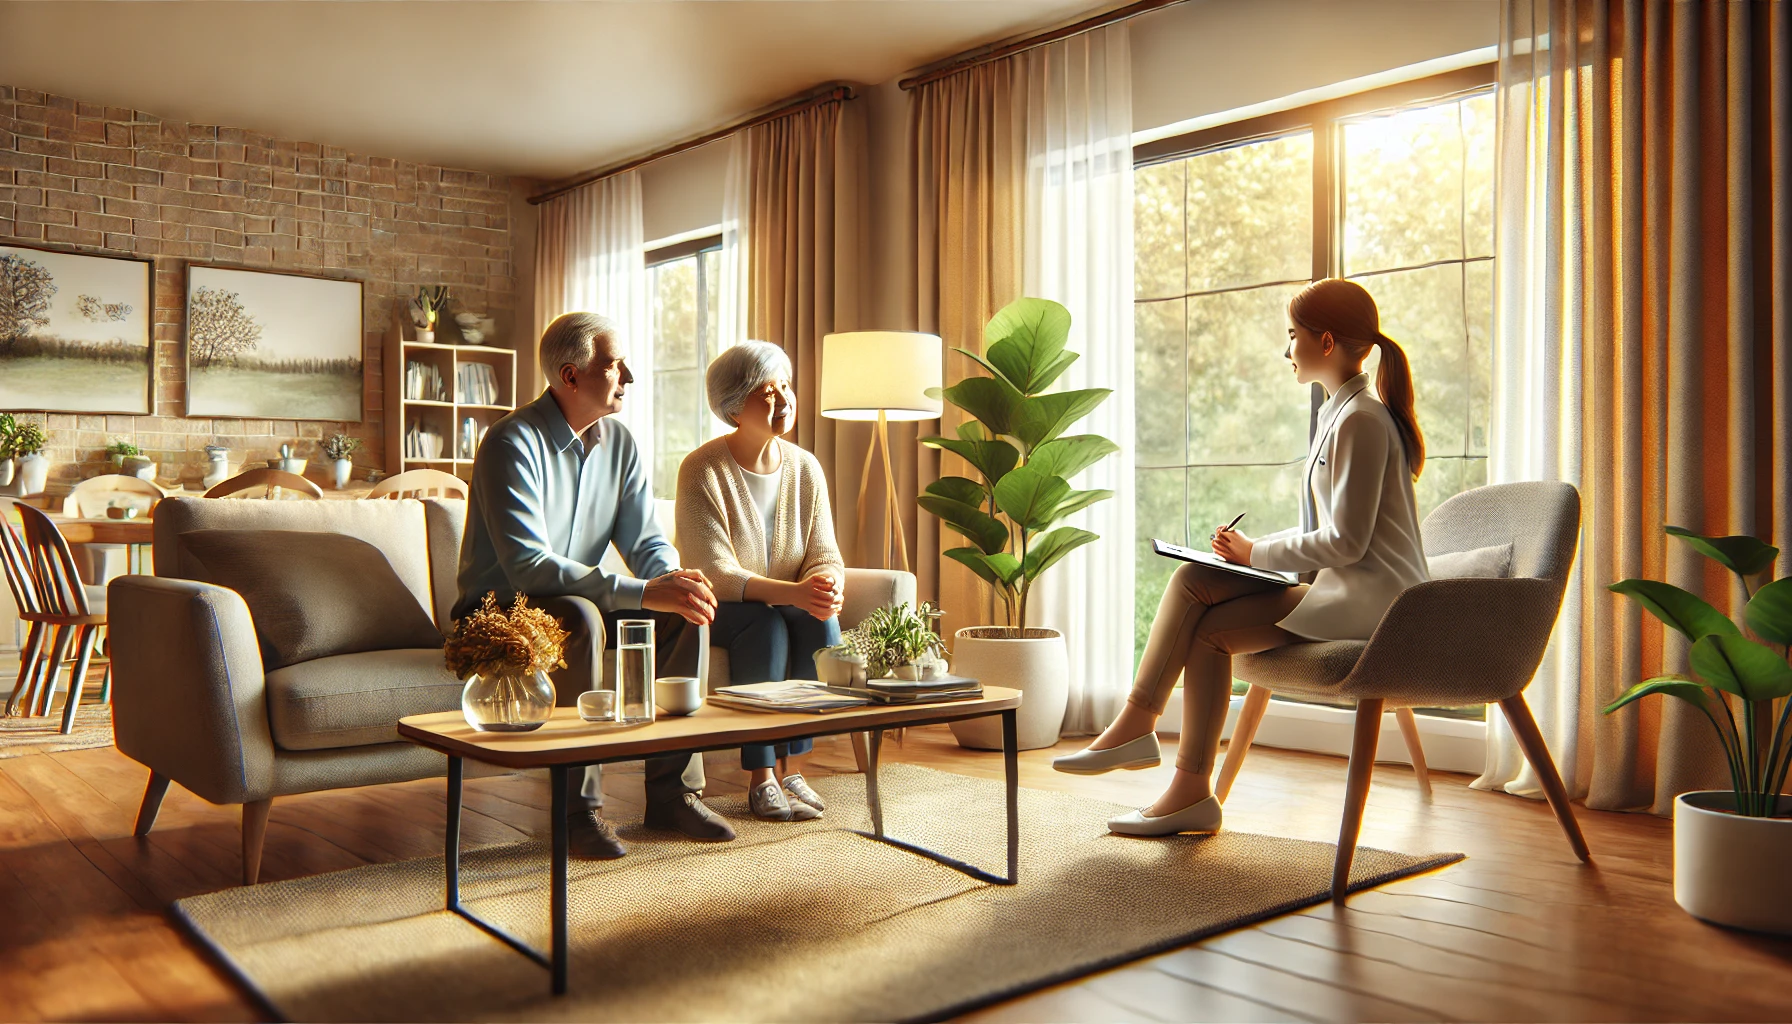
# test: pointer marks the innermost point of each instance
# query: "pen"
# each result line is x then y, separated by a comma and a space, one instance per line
1234, 522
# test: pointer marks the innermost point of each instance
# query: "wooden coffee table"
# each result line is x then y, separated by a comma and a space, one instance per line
567, 742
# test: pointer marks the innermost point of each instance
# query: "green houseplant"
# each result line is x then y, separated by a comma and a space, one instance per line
426, 309
23, 468
1730, 849
1011, 513
892, 636
340, 450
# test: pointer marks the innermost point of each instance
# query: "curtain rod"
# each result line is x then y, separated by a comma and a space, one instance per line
834, 94
965, 61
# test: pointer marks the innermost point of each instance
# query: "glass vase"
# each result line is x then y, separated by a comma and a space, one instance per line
515, 702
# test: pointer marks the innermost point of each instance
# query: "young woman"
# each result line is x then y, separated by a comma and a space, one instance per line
753, 515
1359, 537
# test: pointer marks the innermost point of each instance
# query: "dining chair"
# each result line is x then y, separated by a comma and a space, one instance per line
420, 483
63, 611
268, 482
100, 563
1443, 643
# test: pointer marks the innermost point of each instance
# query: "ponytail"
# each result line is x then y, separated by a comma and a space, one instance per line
1347, 310
1393, 382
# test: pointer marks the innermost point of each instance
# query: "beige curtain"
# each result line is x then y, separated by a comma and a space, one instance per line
804, 178
1644, 351
967, 138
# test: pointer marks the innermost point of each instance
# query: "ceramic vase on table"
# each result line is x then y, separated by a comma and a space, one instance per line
1037, 664
217, 467
33, 473
6, 472
512, 702
139, 466
341, 470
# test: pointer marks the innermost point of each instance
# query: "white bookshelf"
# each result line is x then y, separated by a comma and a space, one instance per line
442, 415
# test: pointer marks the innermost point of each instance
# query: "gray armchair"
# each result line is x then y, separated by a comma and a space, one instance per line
1444, 642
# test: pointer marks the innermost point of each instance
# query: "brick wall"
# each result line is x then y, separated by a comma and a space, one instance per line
105, 179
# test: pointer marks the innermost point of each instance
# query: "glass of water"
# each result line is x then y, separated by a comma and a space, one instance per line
634, 670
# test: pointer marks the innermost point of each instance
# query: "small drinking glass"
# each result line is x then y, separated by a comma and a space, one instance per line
635, 669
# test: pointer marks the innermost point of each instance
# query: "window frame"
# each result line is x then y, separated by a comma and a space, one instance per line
1316, 727
683, 250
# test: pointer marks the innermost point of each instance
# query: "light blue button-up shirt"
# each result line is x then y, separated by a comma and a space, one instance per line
542, 511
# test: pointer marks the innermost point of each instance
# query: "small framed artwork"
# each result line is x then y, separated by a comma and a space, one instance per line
75, 331
272, 345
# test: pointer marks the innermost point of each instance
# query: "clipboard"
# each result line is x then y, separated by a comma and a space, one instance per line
1180, 553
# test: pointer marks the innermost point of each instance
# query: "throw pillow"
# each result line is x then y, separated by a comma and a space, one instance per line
1493, 562
312, 595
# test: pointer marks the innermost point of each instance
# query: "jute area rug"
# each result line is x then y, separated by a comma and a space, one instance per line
41, 735
789, 922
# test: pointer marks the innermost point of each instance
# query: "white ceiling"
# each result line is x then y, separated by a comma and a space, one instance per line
514, 86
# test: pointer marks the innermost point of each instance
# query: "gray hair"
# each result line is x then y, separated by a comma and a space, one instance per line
572, 338
738, 372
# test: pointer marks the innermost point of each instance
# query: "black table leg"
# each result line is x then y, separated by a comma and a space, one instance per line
1011, 774
451, 842
557, 953
872, 797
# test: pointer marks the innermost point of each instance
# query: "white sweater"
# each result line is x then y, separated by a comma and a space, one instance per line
1365, 548
720, 530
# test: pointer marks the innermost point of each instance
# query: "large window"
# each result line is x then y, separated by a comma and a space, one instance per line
682, 281
1393, 189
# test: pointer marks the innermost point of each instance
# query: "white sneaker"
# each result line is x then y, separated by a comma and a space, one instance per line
799, 788
1131, 755
768, 804
1197, 817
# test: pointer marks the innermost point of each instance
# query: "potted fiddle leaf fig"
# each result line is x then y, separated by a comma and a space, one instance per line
1011, 512
1731, 847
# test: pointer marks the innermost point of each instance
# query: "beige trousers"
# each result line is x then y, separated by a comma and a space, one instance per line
1207, 615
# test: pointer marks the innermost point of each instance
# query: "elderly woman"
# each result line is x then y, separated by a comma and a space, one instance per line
753, 515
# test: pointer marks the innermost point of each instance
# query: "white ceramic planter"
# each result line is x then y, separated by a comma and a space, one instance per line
140, 467
1037, 665
1730, 869
6, 471
341, 470
33, 474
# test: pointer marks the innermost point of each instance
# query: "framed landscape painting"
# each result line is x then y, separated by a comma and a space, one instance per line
269, 345
74, 332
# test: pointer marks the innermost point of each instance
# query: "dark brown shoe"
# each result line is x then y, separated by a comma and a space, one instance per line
690, 816
592, 838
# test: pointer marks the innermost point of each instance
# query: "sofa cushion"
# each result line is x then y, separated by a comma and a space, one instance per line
397, 528
1492, 562
311, 595
352, 700
447, 522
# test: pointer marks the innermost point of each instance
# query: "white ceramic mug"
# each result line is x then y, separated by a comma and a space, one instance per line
678, 695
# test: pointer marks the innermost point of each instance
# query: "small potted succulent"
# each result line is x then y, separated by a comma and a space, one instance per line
1731, 847
896, 640
130, 459
426, 308
340, 449
505, 658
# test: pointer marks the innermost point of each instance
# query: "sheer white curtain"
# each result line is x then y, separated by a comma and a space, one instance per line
1078, 250
589, 259
731, 281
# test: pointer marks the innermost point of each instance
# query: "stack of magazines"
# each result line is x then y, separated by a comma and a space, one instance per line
807, 698
912, 691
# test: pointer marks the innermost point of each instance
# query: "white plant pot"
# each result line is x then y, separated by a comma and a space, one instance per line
1730, 869
341, 470
139, 467
6, 471
426, 337
34, 473
1038, 665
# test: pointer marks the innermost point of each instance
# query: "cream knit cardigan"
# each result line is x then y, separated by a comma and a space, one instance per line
720, 530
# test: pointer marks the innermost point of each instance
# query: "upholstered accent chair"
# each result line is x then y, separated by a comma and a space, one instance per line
1471, 640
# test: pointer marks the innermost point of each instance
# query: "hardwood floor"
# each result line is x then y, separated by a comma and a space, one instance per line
1519, 931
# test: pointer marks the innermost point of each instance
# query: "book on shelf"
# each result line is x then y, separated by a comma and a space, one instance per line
476, 384
802, 697
423, 383
422, 444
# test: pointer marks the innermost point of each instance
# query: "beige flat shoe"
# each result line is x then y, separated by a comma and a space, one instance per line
1198, 817
1131, 756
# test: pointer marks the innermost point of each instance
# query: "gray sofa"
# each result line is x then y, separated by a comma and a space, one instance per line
193, 703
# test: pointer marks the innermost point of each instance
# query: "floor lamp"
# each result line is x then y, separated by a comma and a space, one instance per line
879, 376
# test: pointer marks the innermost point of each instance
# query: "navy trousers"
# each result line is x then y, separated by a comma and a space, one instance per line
767, 643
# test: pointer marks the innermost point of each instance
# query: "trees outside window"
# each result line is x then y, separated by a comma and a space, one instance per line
1392, 188
682, 285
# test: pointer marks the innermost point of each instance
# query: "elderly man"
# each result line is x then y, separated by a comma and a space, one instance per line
554, 484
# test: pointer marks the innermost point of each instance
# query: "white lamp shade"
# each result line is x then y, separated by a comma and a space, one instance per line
867, 372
